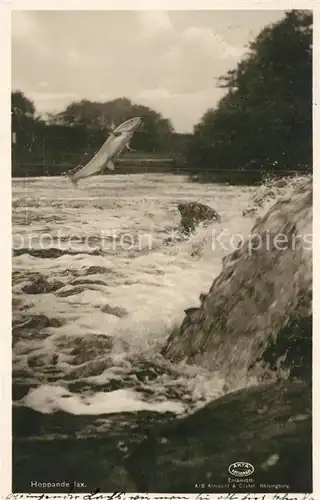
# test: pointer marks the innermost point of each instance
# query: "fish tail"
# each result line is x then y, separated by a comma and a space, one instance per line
73, 180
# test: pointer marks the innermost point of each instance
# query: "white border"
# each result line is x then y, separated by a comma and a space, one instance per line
160, 4
5, 252
5, 248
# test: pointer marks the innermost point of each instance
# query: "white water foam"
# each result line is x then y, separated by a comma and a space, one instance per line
152, 287
48, 399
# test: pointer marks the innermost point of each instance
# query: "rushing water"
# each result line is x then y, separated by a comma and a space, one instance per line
97, 290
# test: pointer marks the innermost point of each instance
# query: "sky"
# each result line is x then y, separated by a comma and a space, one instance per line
167, 60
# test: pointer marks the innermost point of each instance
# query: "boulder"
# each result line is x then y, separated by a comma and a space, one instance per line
41, 284
120, 312
268, 426
194, 213
260, 305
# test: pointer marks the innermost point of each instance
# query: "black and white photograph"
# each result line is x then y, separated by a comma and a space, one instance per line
162, 247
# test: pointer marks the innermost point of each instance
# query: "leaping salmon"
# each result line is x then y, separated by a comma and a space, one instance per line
109, 151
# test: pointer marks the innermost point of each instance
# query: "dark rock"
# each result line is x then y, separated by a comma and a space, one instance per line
194, 213
40, 284
97, 270
84, 281
259, 302
203, 297
44, 253
190, 310
115, 311
281, 183
267, 426
292, 350
39, 321
32, 327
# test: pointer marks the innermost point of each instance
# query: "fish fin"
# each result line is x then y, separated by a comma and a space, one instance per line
128, 147
110, 165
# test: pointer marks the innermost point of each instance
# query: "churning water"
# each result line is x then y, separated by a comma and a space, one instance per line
98, 287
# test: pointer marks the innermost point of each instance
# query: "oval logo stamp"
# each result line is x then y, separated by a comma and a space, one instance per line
241, 469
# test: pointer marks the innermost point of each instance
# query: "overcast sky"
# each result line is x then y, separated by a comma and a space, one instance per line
166, 60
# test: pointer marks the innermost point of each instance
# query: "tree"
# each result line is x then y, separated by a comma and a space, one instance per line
26, 127
153, 136
21, 106
265, 119
155, 133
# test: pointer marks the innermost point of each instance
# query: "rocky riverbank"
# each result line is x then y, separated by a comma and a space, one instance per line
257, 303
268, 426
254, 326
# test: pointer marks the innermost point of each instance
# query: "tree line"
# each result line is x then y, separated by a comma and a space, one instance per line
264, 121
74, 135
262, 124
